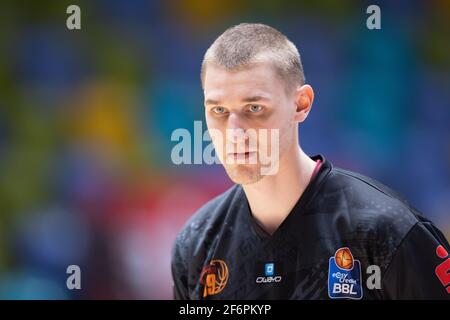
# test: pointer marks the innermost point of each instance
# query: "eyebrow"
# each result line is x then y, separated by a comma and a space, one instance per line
247, 99
211, 101
255, 98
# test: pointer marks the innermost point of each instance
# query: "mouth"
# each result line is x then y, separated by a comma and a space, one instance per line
242, 156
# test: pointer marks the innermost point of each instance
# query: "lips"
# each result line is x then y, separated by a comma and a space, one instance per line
245, 152
251, 155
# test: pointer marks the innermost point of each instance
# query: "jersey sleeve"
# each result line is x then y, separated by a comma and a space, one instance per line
179, 274
420, 268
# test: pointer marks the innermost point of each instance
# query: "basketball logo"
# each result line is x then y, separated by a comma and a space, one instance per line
344, 276
214, 277
344, 258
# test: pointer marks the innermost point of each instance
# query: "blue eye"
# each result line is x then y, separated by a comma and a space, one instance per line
255, 108
219, 110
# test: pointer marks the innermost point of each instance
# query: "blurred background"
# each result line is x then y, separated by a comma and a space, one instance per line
86, 118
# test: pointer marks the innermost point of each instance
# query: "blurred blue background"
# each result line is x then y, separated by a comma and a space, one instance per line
86, 118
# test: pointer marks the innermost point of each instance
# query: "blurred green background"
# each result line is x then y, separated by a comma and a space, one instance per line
86, 118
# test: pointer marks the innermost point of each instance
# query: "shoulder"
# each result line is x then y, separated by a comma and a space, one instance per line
369, 198
206, 222
393, 235
368, 212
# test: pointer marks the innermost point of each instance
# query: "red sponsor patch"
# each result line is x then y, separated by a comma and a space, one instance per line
443, 270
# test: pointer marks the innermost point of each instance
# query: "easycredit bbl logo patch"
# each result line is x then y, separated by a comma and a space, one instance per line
344, 276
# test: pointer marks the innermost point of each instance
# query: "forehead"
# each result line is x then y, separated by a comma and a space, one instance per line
261, 78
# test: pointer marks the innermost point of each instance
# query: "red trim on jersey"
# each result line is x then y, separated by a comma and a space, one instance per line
317, 168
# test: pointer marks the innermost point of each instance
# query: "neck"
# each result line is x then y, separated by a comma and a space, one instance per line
272, 198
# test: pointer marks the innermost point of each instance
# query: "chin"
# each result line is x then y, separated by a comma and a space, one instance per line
244, 174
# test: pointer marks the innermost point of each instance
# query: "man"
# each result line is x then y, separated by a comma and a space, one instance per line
301, 229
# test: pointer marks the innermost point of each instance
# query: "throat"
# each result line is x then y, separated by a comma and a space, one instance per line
272, 199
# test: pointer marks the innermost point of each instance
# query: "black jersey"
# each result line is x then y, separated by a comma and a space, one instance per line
347, 237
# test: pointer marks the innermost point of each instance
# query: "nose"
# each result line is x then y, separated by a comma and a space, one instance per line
235, 130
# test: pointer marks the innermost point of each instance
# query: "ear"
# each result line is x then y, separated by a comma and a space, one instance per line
304, 97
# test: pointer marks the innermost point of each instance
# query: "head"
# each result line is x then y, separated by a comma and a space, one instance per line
255, 97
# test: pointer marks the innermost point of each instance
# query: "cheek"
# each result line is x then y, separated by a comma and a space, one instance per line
279, 118
214, 122
217, 135
283, 121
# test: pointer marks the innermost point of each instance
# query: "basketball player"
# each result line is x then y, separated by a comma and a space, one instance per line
304, 229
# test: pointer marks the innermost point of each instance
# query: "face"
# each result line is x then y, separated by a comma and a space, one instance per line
251, 119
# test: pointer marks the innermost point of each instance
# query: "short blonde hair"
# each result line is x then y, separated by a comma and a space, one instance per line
247, 43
